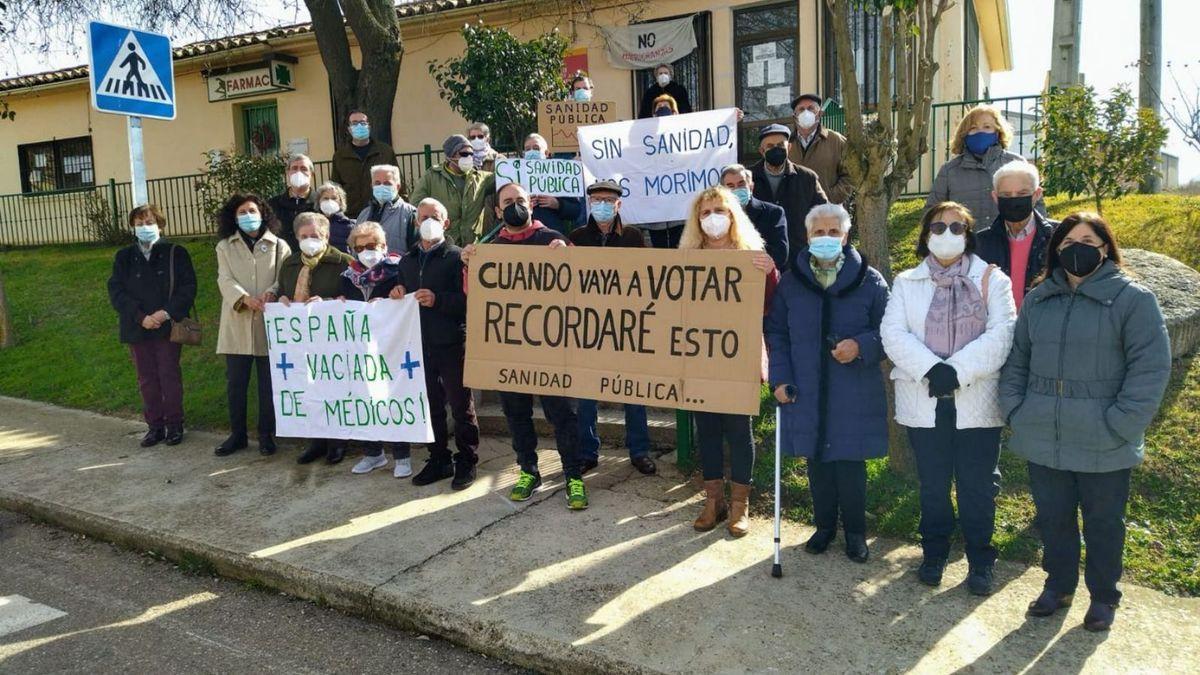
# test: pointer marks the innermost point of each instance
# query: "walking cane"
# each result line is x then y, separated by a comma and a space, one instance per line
777, 568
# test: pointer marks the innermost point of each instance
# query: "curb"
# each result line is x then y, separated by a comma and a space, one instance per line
491, 638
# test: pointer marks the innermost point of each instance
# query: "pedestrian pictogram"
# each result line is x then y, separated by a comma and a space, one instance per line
131, 77
131, 71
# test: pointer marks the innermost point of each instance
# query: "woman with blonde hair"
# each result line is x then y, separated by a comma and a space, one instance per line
717, 222
980, 148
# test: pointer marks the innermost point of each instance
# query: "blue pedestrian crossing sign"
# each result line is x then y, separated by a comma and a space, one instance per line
131, 71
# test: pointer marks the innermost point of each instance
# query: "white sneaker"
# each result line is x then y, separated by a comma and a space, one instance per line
403, 468
368, 464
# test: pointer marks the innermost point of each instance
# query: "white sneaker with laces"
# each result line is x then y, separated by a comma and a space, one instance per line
403, 468
368, 464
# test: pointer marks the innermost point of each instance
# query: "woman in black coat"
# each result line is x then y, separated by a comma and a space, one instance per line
153, 284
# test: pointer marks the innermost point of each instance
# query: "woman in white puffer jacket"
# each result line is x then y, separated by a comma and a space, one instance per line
948, 329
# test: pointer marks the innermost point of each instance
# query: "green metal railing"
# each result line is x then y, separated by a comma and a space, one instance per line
62, 216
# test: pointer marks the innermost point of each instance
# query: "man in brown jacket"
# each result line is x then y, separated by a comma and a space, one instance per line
820, 149
352, 163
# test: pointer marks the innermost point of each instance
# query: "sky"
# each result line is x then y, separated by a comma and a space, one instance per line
1110, 48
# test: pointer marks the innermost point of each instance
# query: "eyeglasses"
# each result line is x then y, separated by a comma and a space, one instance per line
940, 227
476, 138
373, 246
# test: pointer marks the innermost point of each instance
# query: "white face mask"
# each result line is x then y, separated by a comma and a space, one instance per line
432, 229
947, 245
663, 79
806, 119
312, 246
465, 164
371, 258
330, 206
715, 225
298, 180
478, 144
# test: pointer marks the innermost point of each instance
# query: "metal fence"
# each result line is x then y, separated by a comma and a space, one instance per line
70, 216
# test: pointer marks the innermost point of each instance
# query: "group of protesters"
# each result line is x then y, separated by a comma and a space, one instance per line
1010, 319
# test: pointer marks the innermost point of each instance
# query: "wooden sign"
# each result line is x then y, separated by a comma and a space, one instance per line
558, 120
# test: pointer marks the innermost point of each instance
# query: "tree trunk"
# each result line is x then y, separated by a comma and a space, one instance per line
900, 454
6, 335
871, 214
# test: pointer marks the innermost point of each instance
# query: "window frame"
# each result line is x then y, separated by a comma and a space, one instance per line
831, 80
741, 40
971, 54
57, 147
702, 99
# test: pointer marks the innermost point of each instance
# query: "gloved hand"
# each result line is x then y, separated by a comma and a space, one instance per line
943, 380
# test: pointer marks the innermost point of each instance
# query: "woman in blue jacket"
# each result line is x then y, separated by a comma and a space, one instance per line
823, 336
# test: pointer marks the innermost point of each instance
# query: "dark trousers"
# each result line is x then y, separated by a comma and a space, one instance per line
668, 238
1059, 497
713, 431
518, 411
840, 485
375, 449
968, 458
237, 382
160, 381
444, 384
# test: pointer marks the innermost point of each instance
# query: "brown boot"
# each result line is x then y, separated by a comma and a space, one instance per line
714, 506
739, 521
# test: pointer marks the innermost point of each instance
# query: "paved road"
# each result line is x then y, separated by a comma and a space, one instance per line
69, 604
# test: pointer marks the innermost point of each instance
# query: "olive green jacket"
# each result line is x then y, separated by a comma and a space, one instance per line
465, 206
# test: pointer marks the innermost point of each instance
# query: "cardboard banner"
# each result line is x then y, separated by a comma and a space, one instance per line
554, 177
558, 120
661, 162
645, 45
349, 370
665, 328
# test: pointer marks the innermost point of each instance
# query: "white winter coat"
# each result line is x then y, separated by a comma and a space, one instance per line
977, 364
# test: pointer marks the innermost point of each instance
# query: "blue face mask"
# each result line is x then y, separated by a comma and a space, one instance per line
147, 234
534, 154
384, 194
825, 248
249, 222
360, 131
603, 212
582, 95
742, 194
979, 142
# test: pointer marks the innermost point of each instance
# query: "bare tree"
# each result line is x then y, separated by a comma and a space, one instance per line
1183, 110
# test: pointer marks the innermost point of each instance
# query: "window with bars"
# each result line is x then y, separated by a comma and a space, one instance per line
970, 52
56, 165
693, 71
864, 36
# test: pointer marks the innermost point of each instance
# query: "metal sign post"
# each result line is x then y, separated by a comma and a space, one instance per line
137, 162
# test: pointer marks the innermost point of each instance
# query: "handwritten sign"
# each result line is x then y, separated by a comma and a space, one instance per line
554, 177
667, 328
349, 370
661, 162
558, 120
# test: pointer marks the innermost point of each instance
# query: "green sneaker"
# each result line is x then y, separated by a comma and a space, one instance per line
576, 494
526, 484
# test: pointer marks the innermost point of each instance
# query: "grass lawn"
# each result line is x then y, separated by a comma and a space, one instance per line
67, 353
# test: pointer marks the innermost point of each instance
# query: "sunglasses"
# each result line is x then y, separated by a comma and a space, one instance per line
940, 227
369, 247
466, 153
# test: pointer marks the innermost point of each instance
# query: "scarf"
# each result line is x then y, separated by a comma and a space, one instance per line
480, 156
365, 278
956, 315
307, 265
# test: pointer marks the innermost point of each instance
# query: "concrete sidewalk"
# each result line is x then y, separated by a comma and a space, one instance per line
626, 586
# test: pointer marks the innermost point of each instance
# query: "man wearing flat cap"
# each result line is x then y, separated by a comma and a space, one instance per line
819, 149
460, 187
784, 183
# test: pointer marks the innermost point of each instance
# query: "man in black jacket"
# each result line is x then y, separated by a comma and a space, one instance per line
778, 181
769, 219
432, 271
297, 197
1016, 241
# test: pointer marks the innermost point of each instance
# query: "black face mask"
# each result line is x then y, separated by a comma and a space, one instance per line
776, 156
1015, 209
516, 215
1080, 259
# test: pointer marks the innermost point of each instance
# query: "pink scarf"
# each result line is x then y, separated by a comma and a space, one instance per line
956, 315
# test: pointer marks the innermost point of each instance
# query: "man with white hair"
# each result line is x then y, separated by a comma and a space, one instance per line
396, 216
768, 219
822, 334
1016, 241
297, 197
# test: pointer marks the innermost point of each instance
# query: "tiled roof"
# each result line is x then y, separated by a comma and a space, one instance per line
405, 9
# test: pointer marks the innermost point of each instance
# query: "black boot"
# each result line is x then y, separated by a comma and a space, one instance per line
820, 541
231, 445
316, 449
930, 571
174, 434
337, 452
464, 474
154, 436
266, 445
856, 548
433, 471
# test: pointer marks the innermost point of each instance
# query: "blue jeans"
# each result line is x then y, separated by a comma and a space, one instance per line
637, 433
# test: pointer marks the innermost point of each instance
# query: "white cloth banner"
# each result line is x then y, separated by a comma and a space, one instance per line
645, 45
554, 177
349, 370
660, 162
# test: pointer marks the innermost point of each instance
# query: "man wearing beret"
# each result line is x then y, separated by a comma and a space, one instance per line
781, 182
820, 149
460, 187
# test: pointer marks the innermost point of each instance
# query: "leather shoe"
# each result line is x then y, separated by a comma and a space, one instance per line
1049, 602
154, 435
820, 541
589, 465
644, 464
335, 454
174, 434
316, 449
230, 446
1099, 617
856, 548
464, 475
266, 445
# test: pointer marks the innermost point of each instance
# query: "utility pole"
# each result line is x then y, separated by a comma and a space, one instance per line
1064, 49
1150, 72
